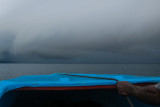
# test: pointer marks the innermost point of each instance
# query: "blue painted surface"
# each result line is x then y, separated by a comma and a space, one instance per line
59, 80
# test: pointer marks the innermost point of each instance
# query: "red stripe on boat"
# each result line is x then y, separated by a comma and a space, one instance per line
69, 88
78, 87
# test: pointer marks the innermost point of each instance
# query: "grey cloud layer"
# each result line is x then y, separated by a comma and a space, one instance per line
67, 29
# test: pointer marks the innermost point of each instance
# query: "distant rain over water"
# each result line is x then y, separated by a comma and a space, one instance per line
80, 31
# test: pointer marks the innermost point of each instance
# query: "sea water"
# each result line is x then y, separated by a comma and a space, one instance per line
9, 71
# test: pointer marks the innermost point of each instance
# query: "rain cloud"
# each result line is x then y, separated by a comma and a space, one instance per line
80, 31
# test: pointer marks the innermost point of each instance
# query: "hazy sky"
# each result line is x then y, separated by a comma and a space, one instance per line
80, 31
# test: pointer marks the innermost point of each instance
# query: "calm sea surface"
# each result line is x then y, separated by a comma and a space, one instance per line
8, 71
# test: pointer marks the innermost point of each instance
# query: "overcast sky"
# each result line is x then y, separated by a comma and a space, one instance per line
80, 31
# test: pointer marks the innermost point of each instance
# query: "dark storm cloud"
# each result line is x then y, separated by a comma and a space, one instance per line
80, 31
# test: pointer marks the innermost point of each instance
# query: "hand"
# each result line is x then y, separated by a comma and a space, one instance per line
124, 87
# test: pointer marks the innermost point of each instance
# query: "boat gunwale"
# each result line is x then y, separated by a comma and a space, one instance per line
76, 87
